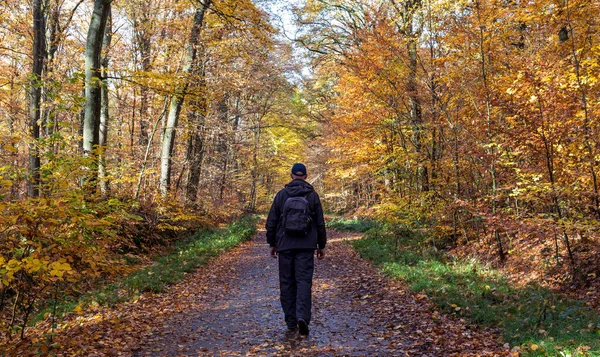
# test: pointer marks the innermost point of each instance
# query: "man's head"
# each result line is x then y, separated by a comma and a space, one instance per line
299, 171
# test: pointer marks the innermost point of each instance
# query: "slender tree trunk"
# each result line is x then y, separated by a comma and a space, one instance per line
255, 167
416, 115
197, 120
223, 181
455, 156
195, 156
177, 100
408, 12
93, 89
13, 114
132, 125
436, 140
104, 114
555, 209
35, 96
56, 32
590, 152
489, 134
143, 116
417, 138
148, 145
48, 112
144, 44
81, 123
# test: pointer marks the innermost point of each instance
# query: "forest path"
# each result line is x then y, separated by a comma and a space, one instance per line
230, 307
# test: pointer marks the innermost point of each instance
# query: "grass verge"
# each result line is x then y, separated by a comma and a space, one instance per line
351, 225
186, 256
538, 321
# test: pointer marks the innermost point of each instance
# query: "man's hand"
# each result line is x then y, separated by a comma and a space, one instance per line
320, 253
274, 252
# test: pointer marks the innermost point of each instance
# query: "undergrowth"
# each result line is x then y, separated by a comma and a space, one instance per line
538, 321
351, 225
185, 256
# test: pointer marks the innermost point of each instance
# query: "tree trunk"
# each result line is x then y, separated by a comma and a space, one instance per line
408, 12
587, 117
255, 168
132, 124
143, 40
490, 133
416, 115
93, 89
197, 120
195, 154
12, 119
104, 114
148, 145
177, 100
35, 95
48, 114
56, 33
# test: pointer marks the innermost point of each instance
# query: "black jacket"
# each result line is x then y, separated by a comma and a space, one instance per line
316, 237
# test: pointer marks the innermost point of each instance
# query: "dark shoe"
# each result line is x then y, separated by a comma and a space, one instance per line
303, 327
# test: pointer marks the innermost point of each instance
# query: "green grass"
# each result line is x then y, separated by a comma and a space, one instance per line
186, 256
351, 225
539, 321
189, 254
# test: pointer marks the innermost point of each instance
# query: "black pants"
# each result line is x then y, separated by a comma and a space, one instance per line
295, 283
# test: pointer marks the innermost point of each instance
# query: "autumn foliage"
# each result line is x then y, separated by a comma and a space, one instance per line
125, 125
474, 121
476, 118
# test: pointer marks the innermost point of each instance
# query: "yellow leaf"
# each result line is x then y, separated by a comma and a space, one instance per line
57, 273
10, 148
534, 347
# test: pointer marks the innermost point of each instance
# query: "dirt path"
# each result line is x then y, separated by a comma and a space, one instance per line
231, 308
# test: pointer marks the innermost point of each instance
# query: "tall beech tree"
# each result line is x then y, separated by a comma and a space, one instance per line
408, 26
104, 106
197, 113
35, 95
178, 97
93, 87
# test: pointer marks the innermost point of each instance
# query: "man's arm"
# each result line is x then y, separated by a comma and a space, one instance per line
272, 221
320, 223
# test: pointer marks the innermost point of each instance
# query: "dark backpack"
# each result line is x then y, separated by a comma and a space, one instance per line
296, 216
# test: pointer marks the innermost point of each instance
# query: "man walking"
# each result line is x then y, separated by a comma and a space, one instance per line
295, 228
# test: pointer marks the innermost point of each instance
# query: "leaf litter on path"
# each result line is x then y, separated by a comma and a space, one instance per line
230, 307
